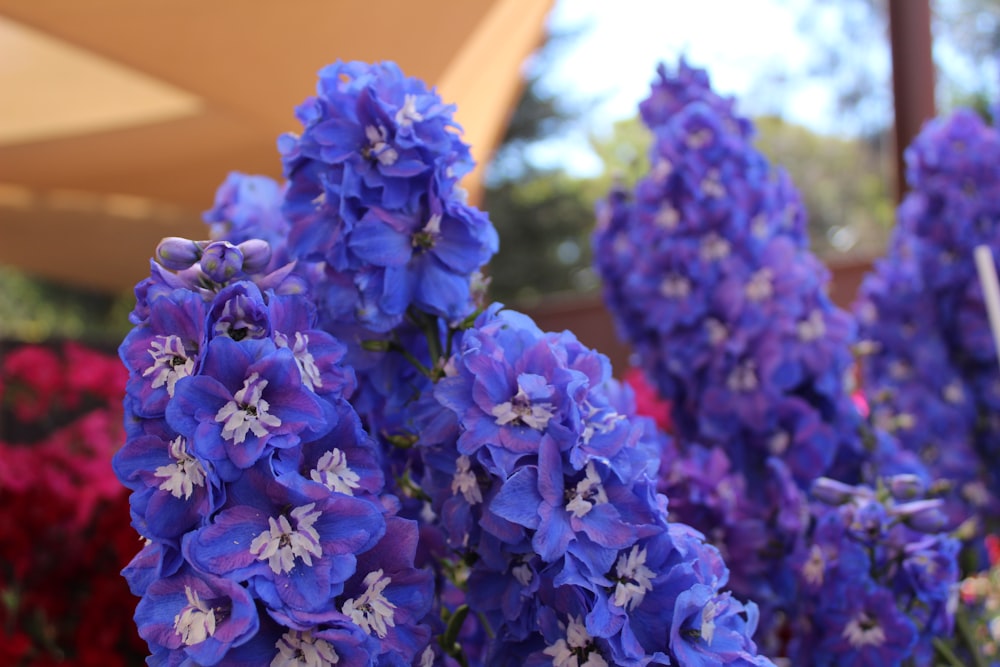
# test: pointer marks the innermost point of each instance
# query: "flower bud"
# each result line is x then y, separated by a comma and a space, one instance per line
906, 486
256, 255
176, 253
832, 492
923, 515
375, 345
221, 261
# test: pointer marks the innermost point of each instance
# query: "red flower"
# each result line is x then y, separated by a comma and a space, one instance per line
64, 527
33, 379
647, 401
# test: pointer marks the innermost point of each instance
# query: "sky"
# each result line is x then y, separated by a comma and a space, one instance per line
737, 41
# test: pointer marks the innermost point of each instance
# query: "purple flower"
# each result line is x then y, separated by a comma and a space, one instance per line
249, 396
868, 630
372, 192
196, 618
167, 347
173, 491
296, 548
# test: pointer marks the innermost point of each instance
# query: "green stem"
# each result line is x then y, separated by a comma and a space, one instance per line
945, 652
419, 365
428, 324
965, 632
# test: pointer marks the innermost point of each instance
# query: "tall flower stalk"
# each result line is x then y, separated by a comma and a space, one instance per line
929, 366
338, 455
708, 277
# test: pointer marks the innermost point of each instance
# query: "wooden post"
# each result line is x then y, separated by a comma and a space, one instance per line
912, 75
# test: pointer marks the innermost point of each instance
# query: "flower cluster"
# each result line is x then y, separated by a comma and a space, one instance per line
878, 577
707, 276
253, 482
372, 193
437, 485
929, 366
63, 537
543, 473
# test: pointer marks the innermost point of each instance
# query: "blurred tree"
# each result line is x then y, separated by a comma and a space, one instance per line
35, 310
844, 183
966, 50
540, 213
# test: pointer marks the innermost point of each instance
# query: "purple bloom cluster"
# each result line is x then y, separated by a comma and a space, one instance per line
341, 460
930, 368
257, 490
708, 277
876, 577
540, 471
372, 193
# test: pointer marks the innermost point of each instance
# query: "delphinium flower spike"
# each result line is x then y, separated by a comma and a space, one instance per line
929, 367
708, 276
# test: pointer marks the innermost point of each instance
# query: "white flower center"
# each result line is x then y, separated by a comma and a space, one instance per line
674, 286
760, 286
900, 370
634, 579
759, 226
598, 421
953, 392
196, 622
303, 358
372, 612
588, 493
170, 362
814, 568
667, 217
247, 412
708, 614
577, 649
522, 573
185, 473
234, 320
281, 544
863, 630
302, 649
408, 114
661, 170
332, 472
743, 377
711, 185
465, 481
714, 247
699, 138
522, 410
812, 328
717, 331
378, 147
778, 443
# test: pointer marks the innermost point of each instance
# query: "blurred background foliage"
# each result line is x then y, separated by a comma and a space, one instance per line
544, 213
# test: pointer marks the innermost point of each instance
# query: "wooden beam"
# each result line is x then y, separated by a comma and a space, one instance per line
912, 75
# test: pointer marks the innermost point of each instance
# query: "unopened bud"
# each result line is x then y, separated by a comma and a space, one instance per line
256, 255
923, 515
176, 253
221, 261
832, 492
375, 345
906, 486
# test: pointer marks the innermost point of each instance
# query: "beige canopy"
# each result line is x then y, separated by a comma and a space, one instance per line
120, 118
